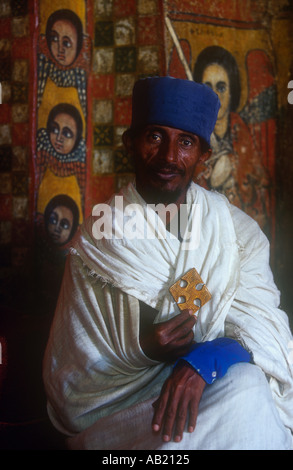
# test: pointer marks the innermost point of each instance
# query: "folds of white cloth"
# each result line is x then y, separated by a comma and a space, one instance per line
94, 366
235, 413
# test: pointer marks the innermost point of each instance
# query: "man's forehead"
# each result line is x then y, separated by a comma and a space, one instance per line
168, 129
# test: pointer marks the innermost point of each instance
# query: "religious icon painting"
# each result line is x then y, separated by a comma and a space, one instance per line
235, 167
230, 51
55, 228
61, 219
60, 123
61, 145
64, 53
63, 64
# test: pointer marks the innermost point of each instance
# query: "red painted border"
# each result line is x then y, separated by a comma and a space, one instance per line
33, 84
89, 136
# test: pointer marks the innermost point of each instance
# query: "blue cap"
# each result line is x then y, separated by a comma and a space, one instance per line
173, 102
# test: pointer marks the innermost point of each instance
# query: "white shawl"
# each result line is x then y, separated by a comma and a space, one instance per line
94, 365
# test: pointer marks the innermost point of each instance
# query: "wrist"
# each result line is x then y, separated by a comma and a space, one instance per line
211, 359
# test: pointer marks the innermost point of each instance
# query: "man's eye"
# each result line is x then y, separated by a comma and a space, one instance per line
155, 137
186, 142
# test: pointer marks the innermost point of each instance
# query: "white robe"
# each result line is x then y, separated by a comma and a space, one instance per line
94, 366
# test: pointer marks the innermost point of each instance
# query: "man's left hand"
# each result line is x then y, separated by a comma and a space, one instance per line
179, 398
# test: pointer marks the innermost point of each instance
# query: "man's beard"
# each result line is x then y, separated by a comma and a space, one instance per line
157, 190
155, 195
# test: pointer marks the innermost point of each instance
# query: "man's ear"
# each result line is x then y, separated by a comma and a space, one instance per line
127, 139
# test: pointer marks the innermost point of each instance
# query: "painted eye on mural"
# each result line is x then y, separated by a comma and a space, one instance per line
63, 132
65, 224
54, 37
221, 87
54, 129
67, 133
67, 43
53, 219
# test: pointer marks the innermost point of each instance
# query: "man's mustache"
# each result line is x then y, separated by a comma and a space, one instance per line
167, 168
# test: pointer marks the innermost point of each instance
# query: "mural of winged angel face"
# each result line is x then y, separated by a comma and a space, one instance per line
63, 133
63, 41
60, 224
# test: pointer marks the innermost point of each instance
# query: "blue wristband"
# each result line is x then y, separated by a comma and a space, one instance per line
211, 359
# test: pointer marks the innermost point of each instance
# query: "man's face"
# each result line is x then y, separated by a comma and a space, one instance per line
164, 160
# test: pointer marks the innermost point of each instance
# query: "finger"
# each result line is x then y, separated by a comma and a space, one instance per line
160, 407
169, 420
193, 412
171, 411
187, 310
175, 329
194, 404
178, 320
182, 330
184, 340
181, 420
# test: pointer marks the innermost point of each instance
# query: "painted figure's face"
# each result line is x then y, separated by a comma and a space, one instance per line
63, 42
60, 224
63, 133
165, 160
216, 77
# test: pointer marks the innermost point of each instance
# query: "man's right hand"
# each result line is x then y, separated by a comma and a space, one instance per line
167, 341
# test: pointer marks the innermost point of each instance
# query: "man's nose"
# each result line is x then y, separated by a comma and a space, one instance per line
168, 151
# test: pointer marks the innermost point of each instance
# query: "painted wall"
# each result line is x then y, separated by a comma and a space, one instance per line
67, 71
60, 140
244, 51
15, 227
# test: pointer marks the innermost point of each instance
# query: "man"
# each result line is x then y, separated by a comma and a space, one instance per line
126, 366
